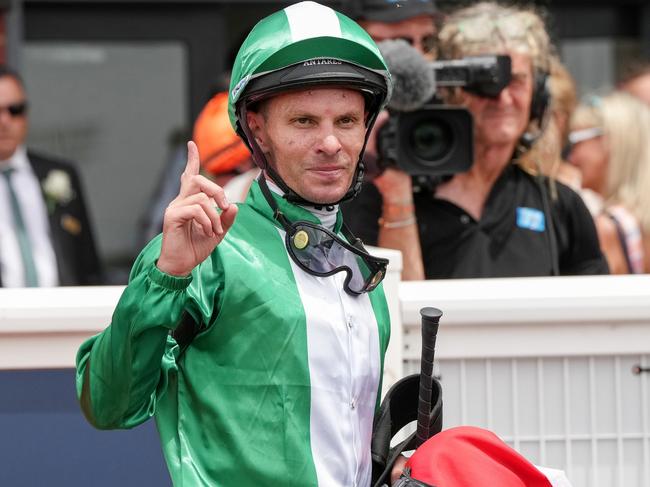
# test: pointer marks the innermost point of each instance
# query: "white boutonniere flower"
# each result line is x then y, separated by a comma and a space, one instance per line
57, 189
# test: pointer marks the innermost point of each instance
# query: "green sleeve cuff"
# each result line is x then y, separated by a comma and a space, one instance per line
173, 283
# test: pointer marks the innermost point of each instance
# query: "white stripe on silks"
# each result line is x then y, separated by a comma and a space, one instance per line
300, 17
344, 368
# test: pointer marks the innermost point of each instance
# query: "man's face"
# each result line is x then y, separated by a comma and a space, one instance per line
13, 129
417, 31
503, 120
312, 138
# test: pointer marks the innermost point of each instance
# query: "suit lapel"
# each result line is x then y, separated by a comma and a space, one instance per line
42, 168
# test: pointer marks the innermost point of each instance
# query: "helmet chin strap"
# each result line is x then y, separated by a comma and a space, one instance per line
289, 194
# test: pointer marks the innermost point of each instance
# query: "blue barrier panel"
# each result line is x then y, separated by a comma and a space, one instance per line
45, 440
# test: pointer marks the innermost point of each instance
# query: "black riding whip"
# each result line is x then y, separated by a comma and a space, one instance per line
430, 322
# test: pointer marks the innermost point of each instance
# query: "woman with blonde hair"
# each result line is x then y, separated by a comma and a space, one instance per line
611, 148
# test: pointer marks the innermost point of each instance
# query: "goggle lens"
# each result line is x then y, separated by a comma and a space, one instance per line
323, 253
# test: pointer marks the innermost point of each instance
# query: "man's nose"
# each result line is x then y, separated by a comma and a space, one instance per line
505, 97
330, 144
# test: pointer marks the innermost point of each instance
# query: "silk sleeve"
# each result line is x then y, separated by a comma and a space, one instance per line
123, 371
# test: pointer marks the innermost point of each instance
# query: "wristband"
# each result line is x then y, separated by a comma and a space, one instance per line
402, 202
396, 223
394, 211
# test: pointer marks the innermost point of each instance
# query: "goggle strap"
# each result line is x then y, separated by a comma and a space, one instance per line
355, 241
277, 214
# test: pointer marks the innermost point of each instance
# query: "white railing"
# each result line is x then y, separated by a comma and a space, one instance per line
42, 328
546, 363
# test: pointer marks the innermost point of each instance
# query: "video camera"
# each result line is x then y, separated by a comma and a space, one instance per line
423, 136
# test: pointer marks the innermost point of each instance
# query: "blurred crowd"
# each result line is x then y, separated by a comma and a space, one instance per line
557, 185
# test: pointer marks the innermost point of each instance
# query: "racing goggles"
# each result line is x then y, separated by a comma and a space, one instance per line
322, 253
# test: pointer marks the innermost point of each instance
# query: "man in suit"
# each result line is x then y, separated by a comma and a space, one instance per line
45, 234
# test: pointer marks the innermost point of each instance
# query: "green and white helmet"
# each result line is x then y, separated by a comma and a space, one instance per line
303, 45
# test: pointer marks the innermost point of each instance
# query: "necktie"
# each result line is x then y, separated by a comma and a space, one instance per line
31, 277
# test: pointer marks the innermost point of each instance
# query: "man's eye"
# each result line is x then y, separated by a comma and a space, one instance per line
519, 79
303, 121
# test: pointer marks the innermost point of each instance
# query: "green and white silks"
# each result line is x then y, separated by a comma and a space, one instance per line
279, 389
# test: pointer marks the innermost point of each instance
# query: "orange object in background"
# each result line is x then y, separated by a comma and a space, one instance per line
220, 148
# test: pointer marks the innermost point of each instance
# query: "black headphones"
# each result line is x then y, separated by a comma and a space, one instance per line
539, 105
541, 96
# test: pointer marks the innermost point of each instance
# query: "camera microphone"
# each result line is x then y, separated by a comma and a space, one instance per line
422, 137
413, 79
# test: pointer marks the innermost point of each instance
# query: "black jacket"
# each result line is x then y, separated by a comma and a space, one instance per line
512, 238
70, 229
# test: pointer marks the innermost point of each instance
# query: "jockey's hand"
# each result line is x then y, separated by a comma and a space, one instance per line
192, 226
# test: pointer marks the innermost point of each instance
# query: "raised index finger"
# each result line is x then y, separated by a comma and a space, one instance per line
193, 162
191, 168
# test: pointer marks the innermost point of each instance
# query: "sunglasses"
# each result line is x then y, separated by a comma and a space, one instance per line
428, 42
322, 253
15, 109
577, 136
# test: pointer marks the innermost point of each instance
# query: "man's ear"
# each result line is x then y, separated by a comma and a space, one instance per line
256, 124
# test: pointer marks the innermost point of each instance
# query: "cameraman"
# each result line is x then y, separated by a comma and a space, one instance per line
498, 218
410, 20
414, 22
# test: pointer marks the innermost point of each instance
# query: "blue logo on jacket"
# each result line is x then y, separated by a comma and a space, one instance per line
531, 219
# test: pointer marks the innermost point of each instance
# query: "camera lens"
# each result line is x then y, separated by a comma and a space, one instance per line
436, 140
431, 140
